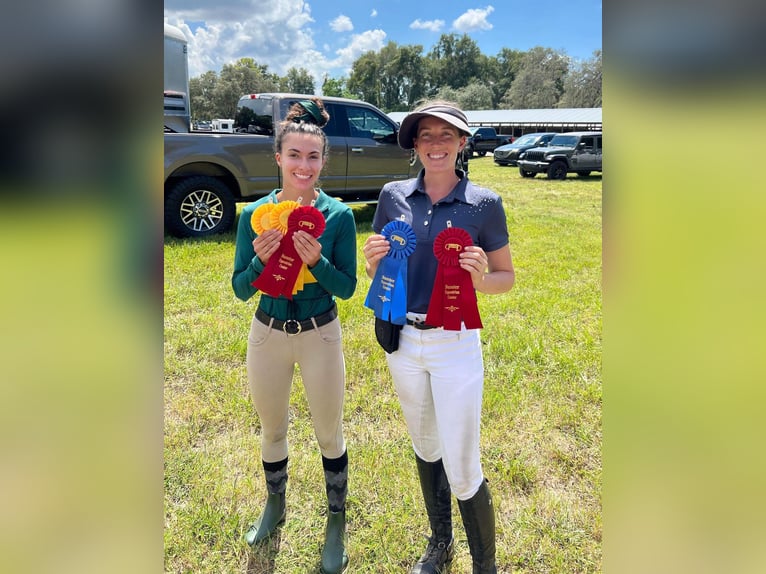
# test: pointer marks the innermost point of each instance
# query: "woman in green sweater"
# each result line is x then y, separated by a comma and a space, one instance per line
298, 325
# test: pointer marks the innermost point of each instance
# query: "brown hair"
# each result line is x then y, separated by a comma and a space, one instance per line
304, 117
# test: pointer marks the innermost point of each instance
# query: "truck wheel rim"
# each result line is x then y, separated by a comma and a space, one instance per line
201, 210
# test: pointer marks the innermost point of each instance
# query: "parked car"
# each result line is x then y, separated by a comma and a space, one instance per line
578, 152
508, 154
481, 140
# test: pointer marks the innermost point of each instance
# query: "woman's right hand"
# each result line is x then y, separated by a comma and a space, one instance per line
266, 244
375, 248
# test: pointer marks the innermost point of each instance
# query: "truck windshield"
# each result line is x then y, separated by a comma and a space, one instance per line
563, 141
254, 116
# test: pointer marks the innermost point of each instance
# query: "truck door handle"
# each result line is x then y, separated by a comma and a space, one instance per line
357, 150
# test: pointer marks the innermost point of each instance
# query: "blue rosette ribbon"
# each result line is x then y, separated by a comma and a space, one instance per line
387, 296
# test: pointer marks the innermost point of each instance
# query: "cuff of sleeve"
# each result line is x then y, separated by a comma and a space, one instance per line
257, 264
320, 267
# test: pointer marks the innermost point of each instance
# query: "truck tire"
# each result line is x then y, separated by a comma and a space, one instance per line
481, 153
525, 173
199, 206
557, 170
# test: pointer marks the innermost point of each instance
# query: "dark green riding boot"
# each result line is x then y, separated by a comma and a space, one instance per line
334, 557
273, 515
274, 512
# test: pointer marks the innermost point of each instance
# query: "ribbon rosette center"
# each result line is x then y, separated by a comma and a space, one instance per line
387, 296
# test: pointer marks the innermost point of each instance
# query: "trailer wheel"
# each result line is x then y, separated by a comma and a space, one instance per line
199, 206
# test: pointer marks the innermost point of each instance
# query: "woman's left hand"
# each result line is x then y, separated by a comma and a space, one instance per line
474, 260
308, 248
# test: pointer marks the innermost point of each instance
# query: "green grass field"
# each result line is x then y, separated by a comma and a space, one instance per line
541, 432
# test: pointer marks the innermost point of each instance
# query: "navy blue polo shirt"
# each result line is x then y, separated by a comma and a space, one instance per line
476, 209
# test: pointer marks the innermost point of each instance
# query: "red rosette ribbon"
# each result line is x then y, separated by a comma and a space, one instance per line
453, 299
285, 266
306, 218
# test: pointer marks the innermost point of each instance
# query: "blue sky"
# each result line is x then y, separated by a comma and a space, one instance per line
325, 37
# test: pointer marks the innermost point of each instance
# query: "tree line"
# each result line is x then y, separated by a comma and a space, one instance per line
396, 78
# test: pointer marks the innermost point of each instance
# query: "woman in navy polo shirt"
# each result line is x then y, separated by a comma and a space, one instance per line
438, 373
302, 328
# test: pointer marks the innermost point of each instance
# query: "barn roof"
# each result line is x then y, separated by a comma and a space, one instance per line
554, 117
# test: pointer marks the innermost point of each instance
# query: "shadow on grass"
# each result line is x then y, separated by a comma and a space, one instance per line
262, 558
570, 177
227, 237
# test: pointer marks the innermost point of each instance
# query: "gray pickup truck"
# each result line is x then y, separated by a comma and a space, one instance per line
578, 152
207, 174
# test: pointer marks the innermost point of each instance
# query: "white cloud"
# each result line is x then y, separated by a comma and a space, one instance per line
474, 19
373, 13
432, 25
279, 35
371, 40
342, 24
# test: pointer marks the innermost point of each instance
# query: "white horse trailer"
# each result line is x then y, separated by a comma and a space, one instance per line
177, 116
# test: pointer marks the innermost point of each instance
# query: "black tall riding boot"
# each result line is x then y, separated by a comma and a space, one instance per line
274, 512
334, 557
479, 521
438, 499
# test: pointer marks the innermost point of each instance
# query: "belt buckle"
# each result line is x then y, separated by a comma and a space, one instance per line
292, 327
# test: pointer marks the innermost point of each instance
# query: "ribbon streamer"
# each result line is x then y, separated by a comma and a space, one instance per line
285, 267
453, 299
310, 220
387, 296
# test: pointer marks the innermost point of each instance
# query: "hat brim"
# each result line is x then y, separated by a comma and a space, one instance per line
409, 127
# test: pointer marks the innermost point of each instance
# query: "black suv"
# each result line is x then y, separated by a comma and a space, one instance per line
579, 152
509, 153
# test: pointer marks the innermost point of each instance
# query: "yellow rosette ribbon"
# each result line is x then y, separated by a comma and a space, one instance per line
260, 220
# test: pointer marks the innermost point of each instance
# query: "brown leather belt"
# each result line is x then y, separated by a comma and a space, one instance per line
292, 326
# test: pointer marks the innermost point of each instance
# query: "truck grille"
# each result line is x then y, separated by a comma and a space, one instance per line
534, 155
